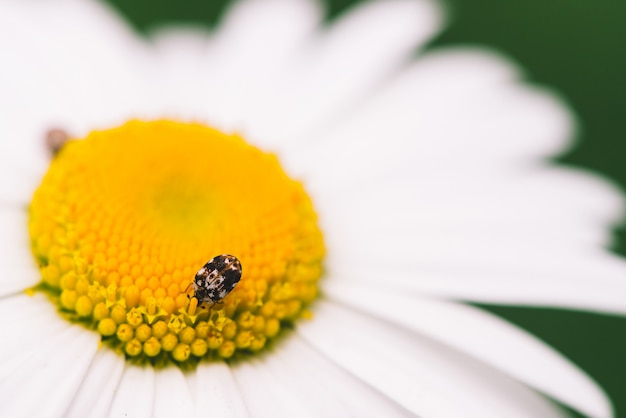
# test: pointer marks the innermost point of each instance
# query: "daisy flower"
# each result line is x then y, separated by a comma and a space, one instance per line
365, 188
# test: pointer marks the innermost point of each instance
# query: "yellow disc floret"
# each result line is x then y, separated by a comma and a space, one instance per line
125, 218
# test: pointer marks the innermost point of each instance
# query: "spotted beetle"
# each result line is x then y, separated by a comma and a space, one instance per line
217, 278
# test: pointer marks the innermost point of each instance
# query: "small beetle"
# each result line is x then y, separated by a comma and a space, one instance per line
217, 278
55, 140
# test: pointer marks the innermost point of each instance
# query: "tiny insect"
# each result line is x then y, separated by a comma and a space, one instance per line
217, 278
55, 140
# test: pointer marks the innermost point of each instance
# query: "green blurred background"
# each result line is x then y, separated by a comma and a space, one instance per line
578, 47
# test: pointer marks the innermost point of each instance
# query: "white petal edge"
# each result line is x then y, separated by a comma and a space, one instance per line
38, 321
485, 337
97, 390
321, 385
555, 199
47, 383
426, 377
172, 394
97, 56
255, 43
217, 393
591, 279
267, 402
29, 170
16, 259
500, 119
23, 158
341, 65
134, 396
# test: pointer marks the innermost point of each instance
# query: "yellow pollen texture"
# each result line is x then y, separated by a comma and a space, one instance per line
124, 219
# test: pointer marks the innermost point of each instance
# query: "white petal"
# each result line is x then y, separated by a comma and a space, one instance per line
462, 243
47, 383
269, 402
172, 394
18, 264
254, 45
26, 305
27, 168
321, 384
548, 201
343, 65
282, 387
216, 392
95, 54
436, 116
485, 337
34, 319
18, 279
19, 353
298, 380
493, 273
587, 280
280, 24
180, 84
427, 378
22, 153
220, 79
96, 392
134, 396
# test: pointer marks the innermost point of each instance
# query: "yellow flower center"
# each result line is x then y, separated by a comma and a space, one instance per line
125, 218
